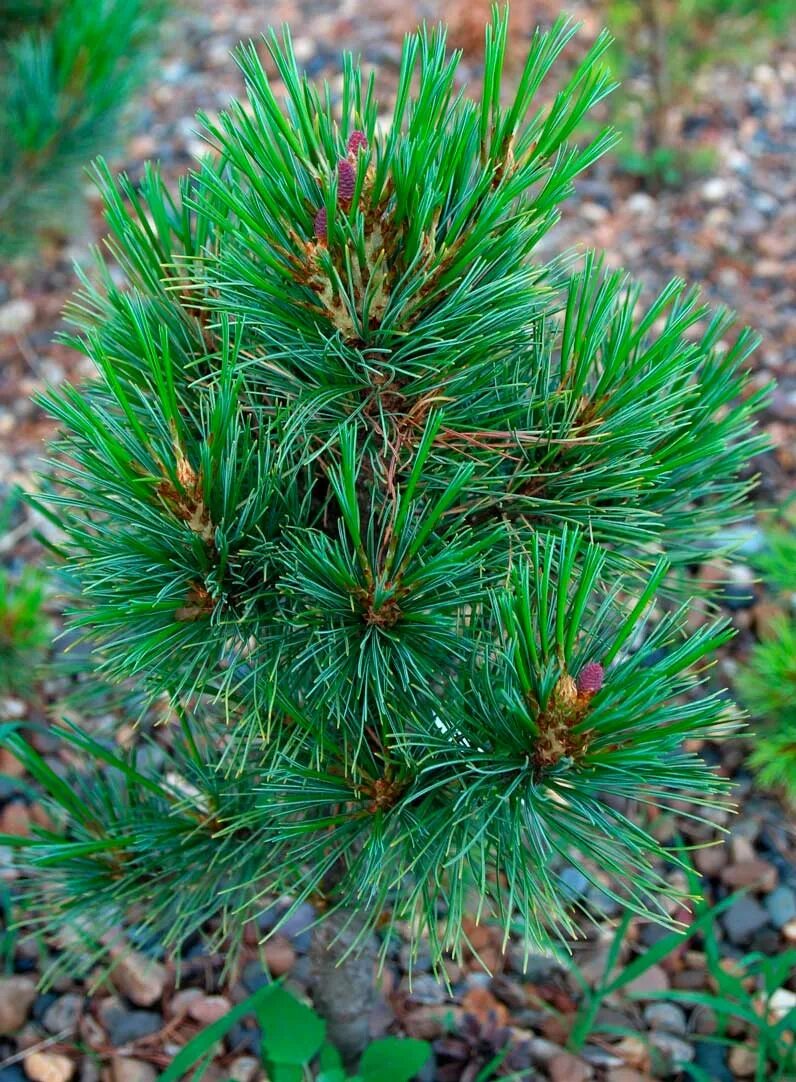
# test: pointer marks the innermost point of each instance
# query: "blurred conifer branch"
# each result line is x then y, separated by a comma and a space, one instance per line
67, 71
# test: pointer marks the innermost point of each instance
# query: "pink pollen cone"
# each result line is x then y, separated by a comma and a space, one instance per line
590, 678
346, 182
357, 141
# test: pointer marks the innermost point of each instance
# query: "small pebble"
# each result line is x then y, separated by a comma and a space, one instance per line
279, 955
16, 998
63, 1015
756, 874
653, 979
243, 1069
744, 917
125, 1026
128, 1069
16, 316
742, 1060
781, 906
674, 1049
140, 978
208, 1009
666, 1016
48, 1067
573, 883
564, 1067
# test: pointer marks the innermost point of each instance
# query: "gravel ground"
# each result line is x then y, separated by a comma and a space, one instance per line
733, 232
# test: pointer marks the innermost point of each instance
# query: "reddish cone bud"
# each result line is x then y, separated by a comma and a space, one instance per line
590, 678
357, 141
321, 224
346, 182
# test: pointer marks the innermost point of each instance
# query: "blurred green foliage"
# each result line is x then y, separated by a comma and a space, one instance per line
24, 628
661, 48
767, 685
67, 70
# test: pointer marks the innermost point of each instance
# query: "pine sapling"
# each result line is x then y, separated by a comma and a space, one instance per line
379, 503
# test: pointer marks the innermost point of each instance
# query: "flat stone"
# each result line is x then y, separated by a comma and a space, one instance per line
509, 991
125, 1026
48, 1067
128, 1069
298, 927
424, 988
16, 998
674, 1049
63, 1016
756, 874
92, 1033
279, 955
244, 1069
743, 919
742, 1060
542, 1050
16, 316
140, 978
573, 883
208, 1009
254, 976
564, 1067
710, 859
715, 190
782, 1002
666, 1016
627, 1074
704, 1020
536, 967
429, 1022
181, 1001
781, 906
651, 980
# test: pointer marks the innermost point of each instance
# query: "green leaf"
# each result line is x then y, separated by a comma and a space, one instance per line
292, 1032
329, 1058
393, 1059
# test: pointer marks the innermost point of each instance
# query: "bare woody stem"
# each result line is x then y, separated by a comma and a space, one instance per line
343, 984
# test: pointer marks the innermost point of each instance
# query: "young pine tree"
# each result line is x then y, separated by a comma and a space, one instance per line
379, 502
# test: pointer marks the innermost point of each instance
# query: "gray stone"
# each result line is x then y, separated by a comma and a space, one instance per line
573, 883
298, 927
254, 976
125, 1026
508, 991
63, 1015
537, 967
601, 902
781, 906
743, 919
665, 1016
673, 1049
424, 988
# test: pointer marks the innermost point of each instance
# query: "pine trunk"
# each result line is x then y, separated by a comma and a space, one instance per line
344, 991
